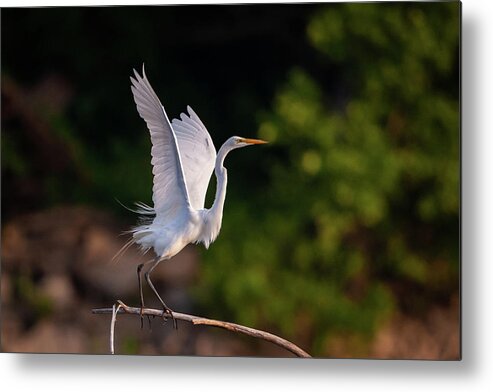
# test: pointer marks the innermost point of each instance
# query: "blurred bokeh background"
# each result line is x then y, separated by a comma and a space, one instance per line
341, 235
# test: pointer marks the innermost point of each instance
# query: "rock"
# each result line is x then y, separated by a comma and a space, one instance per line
58, 288
181, 270
48, 241
6, 288
436, 337
47, 337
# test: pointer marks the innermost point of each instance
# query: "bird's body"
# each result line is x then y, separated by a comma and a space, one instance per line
183, 159
170, 237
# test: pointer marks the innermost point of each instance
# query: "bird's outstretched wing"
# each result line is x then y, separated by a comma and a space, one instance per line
169, 191
198, 155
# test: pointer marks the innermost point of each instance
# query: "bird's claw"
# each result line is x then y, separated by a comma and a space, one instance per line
168, 311
142, 318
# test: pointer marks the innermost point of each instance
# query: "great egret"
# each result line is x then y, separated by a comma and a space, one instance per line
183, 157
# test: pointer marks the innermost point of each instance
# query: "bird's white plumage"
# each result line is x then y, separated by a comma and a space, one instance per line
170, 194
183, 158
198, 155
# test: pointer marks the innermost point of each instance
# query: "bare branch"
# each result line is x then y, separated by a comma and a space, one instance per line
195, 320
114, 311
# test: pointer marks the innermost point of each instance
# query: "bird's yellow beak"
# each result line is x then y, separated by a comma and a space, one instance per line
253, 141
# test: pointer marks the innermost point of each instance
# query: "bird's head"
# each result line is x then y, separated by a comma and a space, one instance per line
237, 142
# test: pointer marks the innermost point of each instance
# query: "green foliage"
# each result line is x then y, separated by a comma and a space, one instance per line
12, 159
363, 186
40, 305
130, 345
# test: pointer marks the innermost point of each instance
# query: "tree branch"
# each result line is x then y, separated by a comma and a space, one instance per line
195, 320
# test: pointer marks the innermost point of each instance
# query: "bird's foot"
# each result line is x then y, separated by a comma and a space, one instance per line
142, 318
167, 312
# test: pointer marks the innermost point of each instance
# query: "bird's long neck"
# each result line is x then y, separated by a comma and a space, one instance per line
215, 213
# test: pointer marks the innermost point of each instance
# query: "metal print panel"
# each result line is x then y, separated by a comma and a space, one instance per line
334, 234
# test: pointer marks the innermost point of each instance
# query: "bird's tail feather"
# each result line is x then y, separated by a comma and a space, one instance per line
146, 216
123, 249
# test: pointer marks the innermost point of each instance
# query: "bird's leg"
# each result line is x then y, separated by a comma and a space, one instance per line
139, 278
166, 308
141, 293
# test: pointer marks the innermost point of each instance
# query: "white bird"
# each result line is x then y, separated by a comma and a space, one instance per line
183, 158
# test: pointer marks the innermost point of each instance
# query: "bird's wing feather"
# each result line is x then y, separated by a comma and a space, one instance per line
198, 155
169, 191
